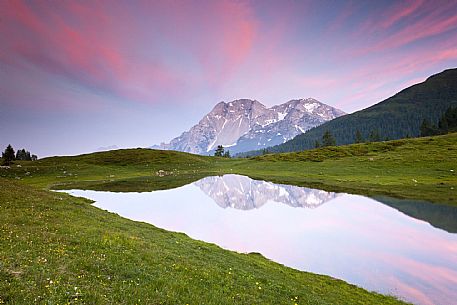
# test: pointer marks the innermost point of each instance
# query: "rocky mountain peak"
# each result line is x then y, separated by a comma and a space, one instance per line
246, 124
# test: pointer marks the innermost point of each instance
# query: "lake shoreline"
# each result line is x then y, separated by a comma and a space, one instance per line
298, 227
93, 256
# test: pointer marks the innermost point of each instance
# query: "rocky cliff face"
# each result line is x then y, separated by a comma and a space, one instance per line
241, 192
244, 125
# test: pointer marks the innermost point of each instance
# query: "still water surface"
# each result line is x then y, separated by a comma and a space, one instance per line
363, 241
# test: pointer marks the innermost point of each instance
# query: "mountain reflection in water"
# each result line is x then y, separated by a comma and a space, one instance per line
244, 193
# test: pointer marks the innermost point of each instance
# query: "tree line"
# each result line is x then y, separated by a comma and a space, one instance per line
447, 123
328, 139
8, 156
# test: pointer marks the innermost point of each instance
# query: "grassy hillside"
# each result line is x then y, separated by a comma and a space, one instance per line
113, 168
423, 169
58, 249
394, 118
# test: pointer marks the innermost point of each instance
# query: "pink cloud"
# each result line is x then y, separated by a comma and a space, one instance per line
424, 20
83, 45
156, 51
87, 44
381, 78
222, 39
400, 10
342, 17
417, 31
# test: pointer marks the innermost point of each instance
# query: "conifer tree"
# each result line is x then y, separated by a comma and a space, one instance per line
8, 155
219, 151
358, 137
374, 136
328, 139
449, 120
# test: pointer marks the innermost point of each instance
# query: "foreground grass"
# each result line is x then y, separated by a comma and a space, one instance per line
58, 249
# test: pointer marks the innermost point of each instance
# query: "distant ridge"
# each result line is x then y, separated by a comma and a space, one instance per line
396, 117
106, 148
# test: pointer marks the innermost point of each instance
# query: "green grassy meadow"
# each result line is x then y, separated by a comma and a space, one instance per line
59, 249
422, 168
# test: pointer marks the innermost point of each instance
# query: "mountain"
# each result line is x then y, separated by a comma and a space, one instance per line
106, 148
244, 124
397, 117
244, 193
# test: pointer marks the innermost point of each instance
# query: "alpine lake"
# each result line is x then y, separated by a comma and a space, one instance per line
398, 247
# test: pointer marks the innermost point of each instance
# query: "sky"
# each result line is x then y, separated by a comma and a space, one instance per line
79, 75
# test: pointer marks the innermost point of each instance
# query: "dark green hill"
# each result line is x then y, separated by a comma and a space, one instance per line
394, 118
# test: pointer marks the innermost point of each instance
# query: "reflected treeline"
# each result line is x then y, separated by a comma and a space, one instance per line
438, 215
139, 184
244, 193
